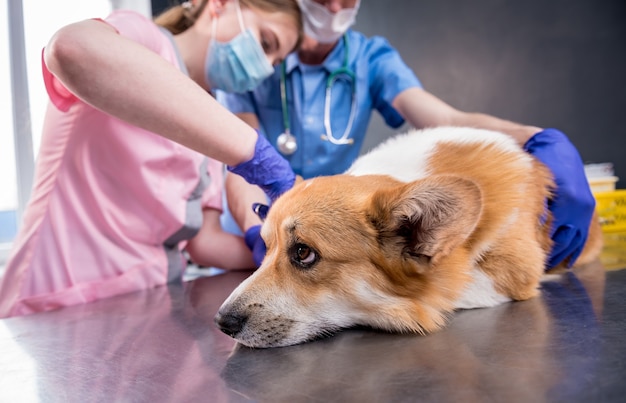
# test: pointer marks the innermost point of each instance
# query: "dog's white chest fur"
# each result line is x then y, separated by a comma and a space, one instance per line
480, 293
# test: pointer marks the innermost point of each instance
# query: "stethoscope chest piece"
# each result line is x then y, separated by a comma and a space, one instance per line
286, 143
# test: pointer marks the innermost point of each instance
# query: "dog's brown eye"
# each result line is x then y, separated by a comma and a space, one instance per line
303, 255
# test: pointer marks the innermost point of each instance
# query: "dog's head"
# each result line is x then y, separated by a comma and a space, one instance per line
345, 251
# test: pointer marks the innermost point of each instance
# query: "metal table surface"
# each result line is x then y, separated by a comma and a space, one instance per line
161, 345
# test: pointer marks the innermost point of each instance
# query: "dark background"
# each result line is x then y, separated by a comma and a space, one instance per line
549, 63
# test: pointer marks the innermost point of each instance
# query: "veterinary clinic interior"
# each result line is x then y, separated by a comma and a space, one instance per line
157, 243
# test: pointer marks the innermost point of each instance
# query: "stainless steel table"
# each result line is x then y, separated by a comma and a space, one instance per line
161, 345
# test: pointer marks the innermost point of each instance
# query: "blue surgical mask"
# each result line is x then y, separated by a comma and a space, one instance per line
238, 65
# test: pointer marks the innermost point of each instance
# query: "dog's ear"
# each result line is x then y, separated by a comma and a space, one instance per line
428, 218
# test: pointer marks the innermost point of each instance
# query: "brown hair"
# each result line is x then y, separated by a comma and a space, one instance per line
179, 17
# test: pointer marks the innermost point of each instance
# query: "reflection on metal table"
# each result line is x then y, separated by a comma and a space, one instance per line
161, 345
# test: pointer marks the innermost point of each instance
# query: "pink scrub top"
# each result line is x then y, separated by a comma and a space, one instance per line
112, 204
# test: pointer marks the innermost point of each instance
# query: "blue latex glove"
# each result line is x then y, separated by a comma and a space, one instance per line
573, 203
255, 244
267, 169
253, 235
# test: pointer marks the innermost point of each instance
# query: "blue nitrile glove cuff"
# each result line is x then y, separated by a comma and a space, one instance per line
255, 243
267, 169
573, 203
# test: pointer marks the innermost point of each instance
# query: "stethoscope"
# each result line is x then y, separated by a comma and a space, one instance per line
286, 142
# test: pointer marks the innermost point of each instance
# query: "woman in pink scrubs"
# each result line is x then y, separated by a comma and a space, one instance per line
130, 166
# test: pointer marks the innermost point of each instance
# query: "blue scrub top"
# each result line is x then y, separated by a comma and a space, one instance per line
380, 76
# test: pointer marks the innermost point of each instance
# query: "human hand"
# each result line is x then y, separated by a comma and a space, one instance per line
256, 244
573, 203
267, 169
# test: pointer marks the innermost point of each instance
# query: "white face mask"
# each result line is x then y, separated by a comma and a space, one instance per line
324, 26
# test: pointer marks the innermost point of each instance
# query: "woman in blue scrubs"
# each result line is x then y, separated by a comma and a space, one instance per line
316, 107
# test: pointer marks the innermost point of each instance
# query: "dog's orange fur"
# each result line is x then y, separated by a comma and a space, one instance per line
396, 255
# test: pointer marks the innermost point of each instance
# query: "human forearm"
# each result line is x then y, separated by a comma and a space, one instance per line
422, 109
241, 195
213, 247
136, 85
227, 252
521, 133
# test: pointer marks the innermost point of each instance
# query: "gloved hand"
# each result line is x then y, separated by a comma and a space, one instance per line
573, 203
267, 169
255, 244
253, 235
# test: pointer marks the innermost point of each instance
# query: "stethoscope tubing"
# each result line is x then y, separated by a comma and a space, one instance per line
343, 71
334, 76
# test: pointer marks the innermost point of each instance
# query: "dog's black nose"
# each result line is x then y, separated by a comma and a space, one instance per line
230, 323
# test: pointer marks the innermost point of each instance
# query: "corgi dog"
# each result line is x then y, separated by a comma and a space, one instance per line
426, 223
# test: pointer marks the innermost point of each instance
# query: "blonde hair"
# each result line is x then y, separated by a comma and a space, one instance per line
180, 17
